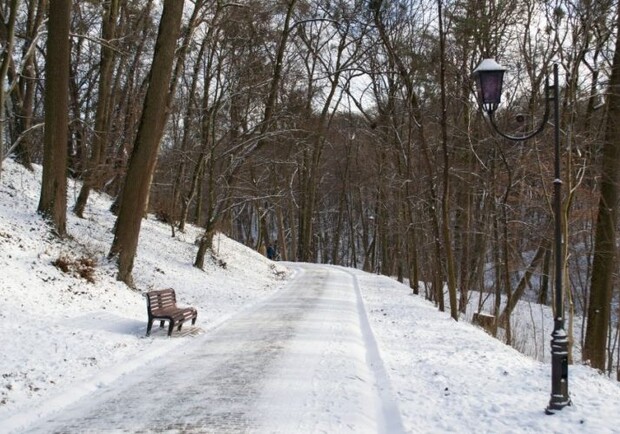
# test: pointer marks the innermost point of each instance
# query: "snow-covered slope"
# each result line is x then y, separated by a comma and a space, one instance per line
59, 328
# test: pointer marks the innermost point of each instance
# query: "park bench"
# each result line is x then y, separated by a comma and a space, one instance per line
162, 305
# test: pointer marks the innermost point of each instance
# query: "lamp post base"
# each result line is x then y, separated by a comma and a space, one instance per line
559, 370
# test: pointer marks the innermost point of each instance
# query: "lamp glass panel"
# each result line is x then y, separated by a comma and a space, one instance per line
490, 86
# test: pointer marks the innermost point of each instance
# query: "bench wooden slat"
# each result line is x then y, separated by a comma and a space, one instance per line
161, 306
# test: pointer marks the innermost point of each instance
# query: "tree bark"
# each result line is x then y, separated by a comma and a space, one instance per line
4, 68
102, 115
445, 211
603, 265
27, 85
523, 283
144, 156
53, 200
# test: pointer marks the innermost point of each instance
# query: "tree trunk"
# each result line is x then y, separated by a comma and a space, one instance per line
205, 245
102, 115
196, 180
523, 283
544, 281
53, 200
4, 68
129, 111
445, 212
144, 156
604, 266
27, 86
283, 255
177, 189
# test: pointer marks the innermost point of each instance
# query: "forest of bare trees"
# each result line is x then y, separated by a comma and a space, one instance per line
338, 131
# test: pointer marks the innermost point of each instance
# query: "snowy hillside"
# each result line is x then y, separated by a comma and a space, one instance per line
60, 328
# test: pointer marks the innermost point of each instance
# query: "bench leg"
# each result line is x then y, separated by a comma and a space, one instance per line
194, 320
161, 323
170, 327
149, 326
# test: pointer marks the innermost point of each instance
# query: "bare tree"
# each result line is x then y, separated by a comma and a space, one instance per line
144, 155
24, 96
102, 116
7, 53
604, 265
258, 142
53, 200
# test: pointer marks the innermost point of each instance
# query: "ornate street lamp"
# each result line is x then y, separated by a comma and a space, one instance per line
489, 79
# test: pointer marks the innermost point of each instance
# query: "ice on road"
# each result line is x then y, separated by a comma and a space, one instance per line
304, 360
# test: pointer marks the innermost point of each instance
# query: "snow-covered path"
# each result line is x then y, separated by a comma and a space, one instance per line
304, 360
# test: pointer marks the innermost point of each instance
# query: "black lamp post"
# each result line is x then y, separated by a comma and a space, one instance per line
489, 78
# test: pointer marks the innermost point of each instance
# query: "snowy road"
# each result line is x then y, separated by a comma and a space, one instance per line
304, 360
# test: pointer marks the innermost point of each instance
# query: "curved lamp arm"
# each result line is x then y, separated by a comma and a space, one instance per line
538, 129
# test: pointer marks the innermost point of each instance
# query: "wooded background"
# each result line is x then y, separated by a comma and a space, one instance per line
338, 131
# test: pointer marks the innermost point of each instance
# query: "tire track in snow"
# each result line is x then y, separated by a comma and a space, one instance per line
389, 418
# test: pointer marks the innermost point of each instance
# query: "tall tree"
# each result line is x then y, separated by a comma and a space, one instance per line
53, 200
102, 116
144, 156
264, 127
24, 96
380, 11
7, 52
445, 212
604, 265
346, 48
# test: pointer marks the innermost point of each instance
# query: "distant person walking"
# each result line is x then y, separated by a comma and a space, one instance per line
271, 252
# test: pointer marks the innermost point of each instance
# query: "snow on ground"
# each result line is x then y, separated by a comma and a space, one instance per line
60, 330
453, 377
